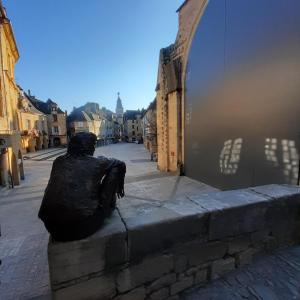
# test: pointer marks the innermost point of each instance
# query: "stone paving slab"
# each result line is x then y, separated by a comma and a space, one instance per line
270, 277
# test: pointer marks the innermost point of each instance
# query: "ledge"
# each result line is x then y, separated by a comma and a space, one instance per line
181, 241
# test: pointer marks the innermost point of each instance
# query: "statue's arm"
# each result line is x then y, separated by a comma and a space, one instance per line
113, 182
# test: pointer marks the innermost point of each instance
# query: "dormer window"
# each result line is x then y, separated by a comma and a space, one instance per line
54, 108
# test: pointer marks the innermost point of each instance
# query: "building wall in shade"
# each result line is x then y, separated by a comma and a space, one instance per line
242, 95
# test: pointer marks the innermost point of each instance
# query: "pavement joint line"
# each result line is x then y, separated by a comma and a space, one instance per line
41, 154
17, 201
54, 155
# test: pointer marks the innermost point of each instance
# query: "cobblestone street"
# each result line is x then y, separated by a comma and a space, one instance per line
270, 277
23, 246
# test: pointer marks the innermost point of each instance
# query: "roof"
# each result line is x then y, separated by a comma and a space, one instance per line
42, 106
4, 20
171, 68
78, 116
132, 114
152, 106
182, 5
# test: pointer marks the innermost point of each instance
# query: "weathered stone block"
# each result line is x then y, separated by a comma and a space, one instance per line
277, 191
162, 282
201, 276
136, 294
160, 294
191, 271
238, 244
175, 297
181, 285
200, 252
244, 257
221, 267
259, 237
104, 249
93, 289
271, 243
148, 270
238, 220
180, 263
173, 227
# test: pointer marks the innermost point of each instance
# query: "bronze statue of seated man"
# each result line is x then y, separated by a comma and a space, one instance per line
81, 191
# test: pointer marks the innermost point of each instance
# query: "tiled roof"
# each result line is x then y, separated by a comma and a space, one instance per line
132, 114
77, 116
42, 106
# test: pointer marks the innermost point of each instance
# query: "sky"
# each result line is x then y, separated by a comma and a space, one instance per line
78, 51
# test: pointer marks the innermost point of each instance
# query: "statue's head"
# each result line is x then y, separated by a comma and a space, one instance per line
83, 143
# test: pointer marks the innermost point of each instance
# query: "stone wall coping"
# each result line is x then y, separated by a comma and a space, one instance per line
203, 220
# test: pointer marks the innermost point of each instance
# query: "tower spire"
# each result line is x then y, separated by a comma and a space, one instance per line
119, 107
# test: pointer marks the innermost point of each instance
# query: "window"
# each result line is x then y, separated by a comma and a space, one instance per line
80, 124
28, 124
133, 132
53, 108
55, 130
54, 118
137, 128
132, 126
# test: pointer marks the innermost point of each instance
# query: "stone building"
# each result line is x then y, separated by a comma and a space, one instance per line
90, 118
149, 125
79, 121
56, 120
170, 87
11, 163
33, 125
133, 130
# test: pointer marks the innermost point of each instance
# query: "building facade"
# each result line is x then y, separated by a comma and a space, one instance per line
133, 129
56, 120
170, 88
11, 163
90, 118
33, 125
149, 125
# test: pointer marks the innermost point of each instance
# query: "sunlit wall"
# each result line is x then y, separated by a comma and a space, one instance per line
242, 91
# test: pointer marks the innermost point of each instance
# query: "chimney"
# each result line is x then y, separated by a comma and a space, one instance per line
29, 93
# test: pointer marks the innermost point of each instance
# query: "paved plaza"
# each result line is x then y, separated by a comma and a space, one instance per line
23, 244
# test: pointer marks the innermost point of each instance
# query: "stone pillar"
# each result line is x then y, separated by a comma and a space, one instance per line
4, 167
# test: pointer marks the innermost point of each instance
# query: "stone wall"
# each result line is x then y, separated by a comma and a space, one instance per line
176, 246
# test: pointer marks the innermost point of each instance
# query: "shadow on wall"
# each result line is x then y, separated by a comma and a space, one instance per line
281, 154
242, 94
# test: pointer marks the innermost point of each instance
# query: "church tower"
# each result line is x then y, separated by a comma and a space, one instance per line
119, 107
